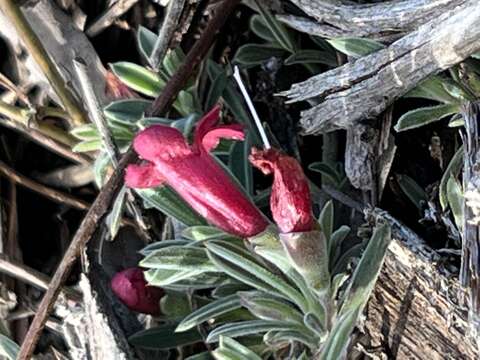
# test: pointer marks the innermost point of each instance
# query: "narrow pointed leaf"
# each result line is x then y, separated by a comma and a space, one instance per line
355, 47
164, 337
139, 78
424, 116
256, 273
209, 312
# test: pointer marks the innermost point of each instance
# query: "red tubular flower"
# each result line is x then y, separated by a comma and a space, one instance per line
195, 175
290, 200
131, 288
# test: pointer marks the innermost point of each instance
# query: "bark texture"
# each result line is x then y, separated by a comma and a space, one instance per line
364, 88
380, 21
418, 308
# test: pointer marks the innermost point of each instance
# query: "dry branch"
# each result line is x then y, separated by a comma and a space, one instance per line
379, 21
109, 16
364, 88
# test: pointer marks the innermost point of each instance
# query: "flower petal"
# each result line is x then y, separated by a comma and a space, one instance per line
206, 124
161, 142
290, 200
212, 138
143, 176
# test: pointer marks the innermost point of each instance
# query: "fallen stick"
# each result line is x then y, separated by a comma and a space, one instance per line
364, 88
103, 201
378, 21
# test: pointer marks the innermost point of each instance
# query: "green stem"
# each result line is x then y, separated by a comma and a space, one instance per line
41, 57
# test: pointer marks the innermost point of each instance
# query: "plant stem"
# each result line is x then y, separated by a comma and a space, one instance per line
41, 57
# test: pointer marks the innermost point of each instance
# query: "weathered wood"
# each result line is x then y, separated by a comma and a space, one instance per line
470, 267
364, 88
381, 20
417, 309
62, 40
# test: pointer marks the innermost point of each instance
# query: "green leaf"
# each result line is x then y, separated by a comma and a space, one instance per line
86, 132
251, 273
432, 89
457, 92
8, 348
282, 35
229, 289
114, 219
337, 282
423, 116
314, 324
311, 57
282, 338
256, 54
163, 244
174, 304
244, 328
261, 29
164, 337
163, 278
326, 220
173, 60
202, 356
453, 169
339, 337
202, 233
179, 258
209, 312
239, 349
185, 103
195, 281
326, 170
89, 145
355, 47
146, 40
139, 78
100, 168
168, 202
366, 273
341, 264
414, 192
239, 165
128, 111
219, 83
336, 241
456, 200
266, 307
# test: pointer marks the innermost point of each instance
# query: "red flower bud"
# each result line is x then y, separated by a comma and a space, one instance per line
290, 200
131, 288
195, 175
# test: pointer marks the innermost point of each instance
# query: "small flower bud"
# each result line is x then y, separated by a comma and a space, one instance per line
131, 288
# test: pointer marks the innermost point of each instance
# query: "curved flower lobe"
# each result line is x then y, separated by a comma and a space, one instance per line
290, 200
